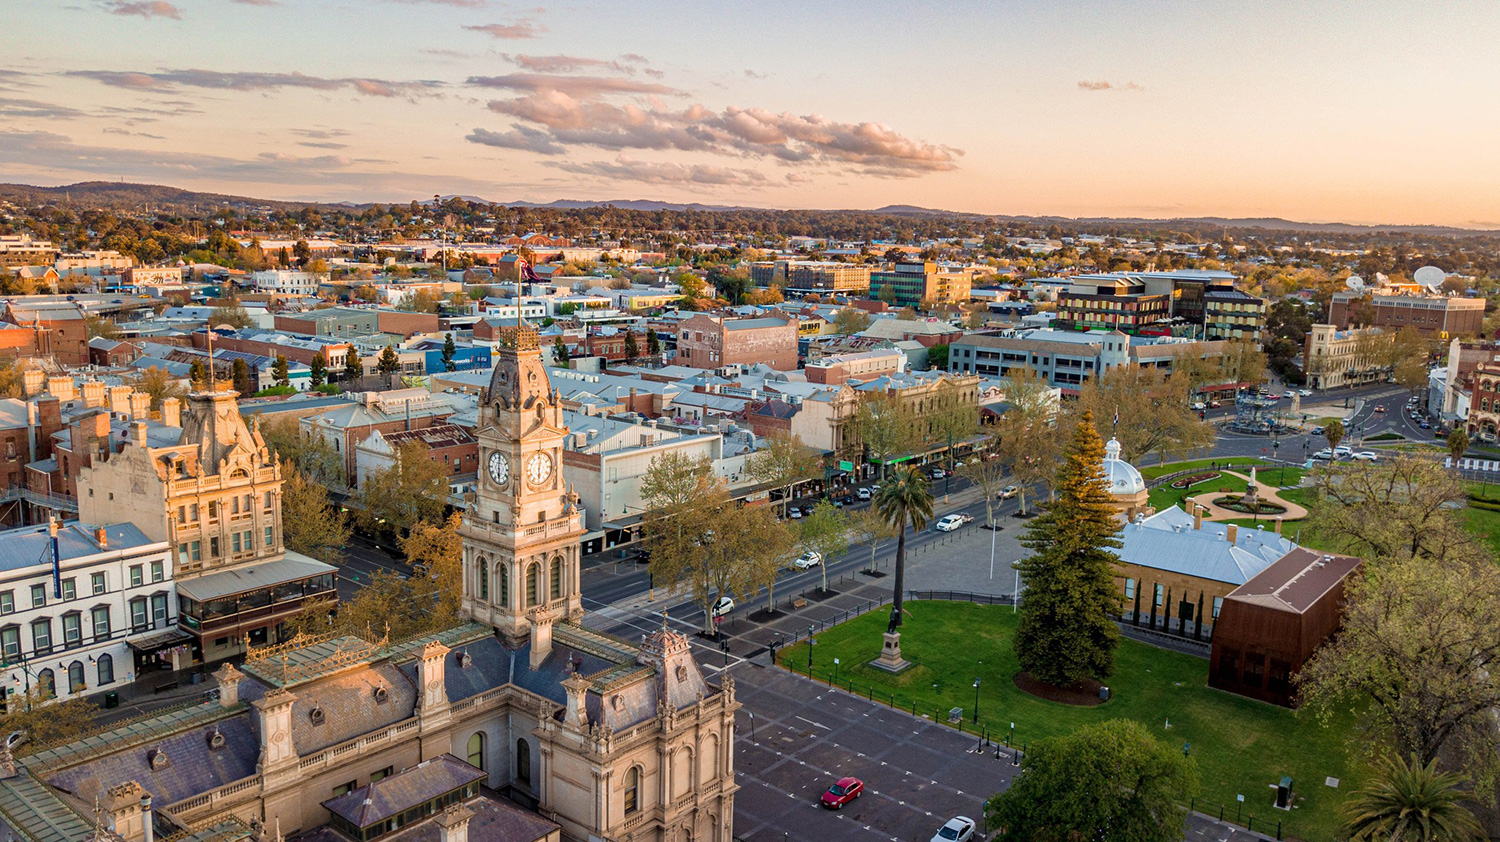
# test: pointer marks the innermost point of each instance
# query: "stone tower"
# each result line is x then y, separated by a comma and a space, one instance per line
521, 534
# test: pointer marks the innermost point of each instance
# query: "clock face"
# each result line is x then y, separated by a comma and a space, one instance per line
499, 468
538, 468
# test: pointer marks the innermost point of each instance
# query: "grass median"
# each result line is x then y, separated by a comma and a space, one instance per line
1241, 746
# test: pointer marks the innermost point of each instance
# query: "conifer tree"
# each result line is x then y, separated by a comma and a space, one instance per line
1067, 631
319, 367
280, 373
354, 367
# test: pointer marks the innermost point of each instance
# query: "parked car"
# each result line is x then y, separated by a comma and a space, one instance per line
1315, 431
957, 829
808, 560
1009, 491
948, 523
1199, 406
1214, 404
1343, 452
938, 473
864, 494
1424, 425
794, 513
723, 606
842, 792
1306, 393
1367, 456
1325, 453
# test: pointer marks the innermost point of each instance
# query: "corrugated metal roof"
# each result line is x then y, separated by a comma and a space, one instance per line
1168, 541
291, 568
30, 546
33, 811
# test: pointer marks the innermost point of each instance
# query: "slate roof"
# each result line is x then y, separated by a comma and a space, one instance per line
192, 767
348, 704
393, 795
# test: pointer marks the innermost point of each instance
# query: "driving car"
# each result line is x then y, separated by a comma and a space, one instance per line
723, 606
1380, 407
808, 560
864, 494
938, 473
842, 792
948, 523
1289, 394
1325, 453
1343, 452
957, 829
1306, 393
1315, 431
1214, 404
1367, 456
1009, 491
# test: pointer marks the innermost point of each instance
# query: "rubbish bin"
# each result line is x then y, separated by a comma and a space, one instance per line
111, 699
1104, 694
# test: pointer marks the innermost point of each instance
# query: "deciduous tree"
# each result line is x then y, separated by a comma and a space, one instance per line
435, 552
782, 462
159, 384
45, 719
312, 455
1154, 412
1397, 508
413, 489
1067, 632
825, 530
886, 428
311, 525
1108, 781
850, 320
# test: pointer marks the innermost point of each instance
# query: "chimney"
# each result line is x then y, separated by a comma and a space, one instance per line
171, 412
1197, 517
147, 826
33, 380
62, 387
453, 824
122, 804
229, 685
140, 406
1231, 533
1278, 524
431, 671
138, 433
541, 640
576, 713
101, 537
93, 393
119, 399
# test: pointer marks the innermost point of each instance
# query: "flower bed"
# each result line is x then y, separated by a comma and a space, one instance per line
1194, 479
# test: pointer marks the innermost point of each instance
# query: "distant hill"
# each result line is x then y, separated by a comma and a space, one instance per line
121, 194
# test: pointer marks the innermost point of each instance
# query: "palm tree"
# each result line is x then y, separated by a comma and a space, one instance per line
905, 498
1411, 802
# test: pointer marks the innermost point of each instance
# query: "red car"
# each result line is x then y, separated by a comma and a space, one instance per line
842, 792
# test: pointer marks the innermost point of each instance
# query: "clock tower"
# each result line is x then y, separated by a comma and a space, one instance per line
521, 534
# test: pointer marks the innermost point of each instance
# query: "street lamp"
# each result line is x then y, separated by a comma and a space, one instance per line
976, 701
835, 670
810, 642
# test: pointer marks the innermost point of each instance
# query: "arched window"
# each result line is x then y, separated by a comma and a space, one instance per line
633, 790
106, 669
533, 583
554, 579
1484, 405
476, 750
46, 684
523, 763
484, 579
75, 677
502, 572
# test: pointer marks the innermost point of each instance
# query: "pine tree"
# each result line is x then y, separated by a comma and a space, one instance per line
632, 350
280, 373
1067, 631
354, 367
388, 363
319, 369
240, 373
653, 342
449, 351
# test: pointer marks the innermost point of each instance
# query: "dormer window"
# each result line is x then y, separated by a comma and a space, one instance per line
156, 759
215, 740
316, 716
382, 695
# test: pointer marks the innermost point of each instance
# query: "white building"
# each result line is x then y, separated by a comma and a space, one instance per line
73, 609
287, 281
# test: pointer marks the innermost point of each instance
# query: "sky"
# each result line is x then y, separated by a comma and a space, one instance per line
1360, 111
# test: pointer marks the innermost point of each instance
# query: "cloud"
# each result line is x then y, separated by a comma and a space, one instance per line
156, 9
753, 75
567, 64
320, 134
114, 130
519, 137
872, 148
1102, 85
510, 31
654, 172
581, 87
257, 2
322, 144
170, 80
18, 108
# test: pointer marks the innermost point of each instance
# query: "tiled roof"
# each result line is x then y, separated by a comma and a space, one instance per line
191, 766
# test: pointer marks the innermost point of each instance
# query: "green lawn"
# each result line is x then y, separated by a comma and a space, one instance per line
1155, 471
1163, 496
1241, 746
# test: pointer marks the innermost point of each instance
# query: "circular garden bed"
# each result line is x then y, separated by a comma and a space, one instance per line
1233, 503
1081, 694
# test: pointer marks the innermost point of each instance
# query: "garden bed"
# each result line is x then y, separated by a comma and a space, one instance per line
1194, 479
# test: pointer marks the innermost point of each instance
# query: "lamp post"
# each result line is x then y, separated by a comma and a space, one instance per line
835, 670
810, 643
976, 701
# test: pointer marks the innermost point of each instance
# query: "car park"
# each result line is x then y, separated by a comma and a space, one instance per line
808, 560
843, 791
948, 523
723, 606
956, 829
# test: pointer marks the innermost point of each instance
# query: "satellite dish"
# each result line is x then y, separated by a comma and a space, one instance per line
1355, 283
1429, 276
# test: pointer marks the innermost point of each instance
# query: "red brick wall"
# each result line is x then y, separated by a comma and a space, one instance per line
408, 324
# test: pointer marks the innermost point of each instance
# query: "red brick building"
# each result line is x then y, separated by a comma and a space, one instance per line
705, 341
1431, 314
112, 352
60, 329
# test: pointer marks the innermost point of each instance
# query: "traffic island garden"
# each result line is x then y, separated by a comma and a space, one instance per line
1241, 746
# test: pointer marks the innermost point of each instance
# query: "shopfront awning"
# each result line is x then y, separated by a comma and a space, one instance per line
160, 640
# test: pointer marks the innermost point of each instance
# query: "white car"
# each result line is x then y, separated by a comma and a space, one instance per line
1306, 393
1325, 453
808, 560
864, 494
1342, 452
958, 829
723, 606
1367, 456
1289, 394
948, 523
1200, 406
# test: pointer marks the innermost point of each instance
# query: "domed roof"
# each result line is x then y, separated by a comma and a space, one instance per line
1124, 479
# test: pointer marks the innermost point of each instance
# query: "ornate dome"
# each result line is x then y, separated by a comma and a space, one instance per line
1124, 479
